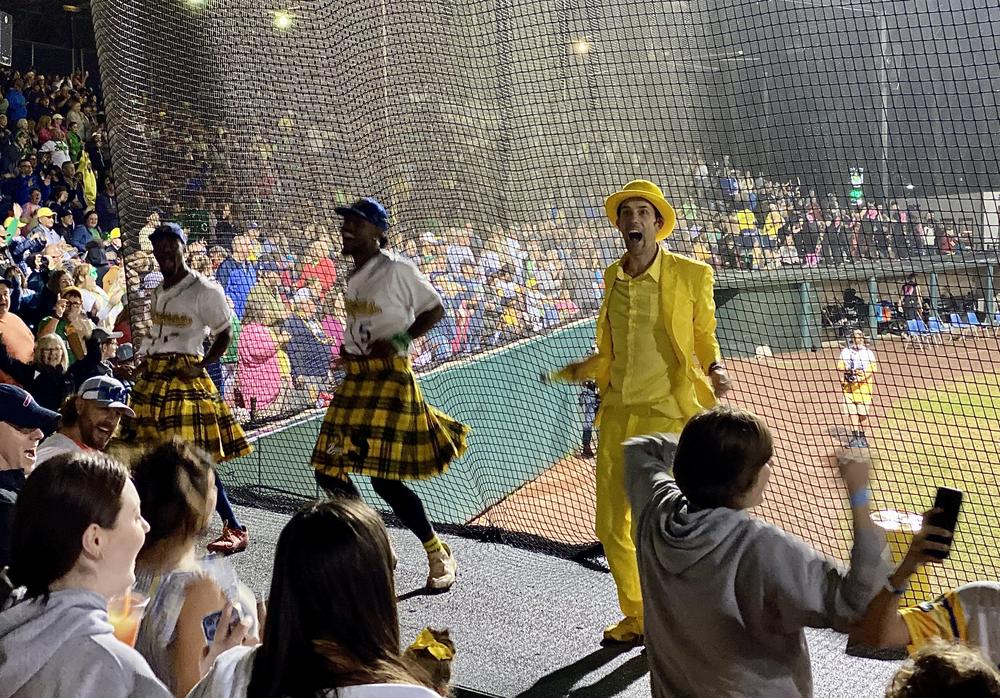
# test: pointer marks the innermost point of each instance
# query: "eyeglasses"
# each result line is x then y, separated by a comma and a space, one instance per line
106, 393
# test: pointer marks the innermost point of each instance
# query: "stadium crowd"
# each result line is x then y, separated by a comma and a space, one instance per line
81, 532
734, 220
63, 253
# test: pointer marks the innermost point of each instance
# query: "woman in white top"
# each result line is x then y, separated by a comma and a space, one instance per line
378, 423
175, 482
332, 626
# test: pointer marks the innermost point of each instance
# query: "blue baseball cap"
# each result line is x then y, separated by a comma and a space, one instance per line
169, 229
17, 407
369, 209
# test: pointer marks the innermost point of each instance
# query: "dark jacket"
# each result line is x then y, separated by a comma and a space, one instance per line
90, 365
11, 482
306, 353
49, 386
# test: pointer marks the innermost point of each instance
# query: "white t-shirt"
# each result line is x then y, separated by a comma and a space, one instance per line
184, 315
383, 298
857, 359
54, 445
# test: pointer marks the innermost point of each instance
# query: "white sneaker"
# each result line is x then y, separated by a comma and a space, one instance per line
442, 569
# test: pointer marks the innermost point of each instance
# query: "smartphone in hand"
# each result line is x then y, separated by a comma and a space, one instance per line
948, 502
210, 624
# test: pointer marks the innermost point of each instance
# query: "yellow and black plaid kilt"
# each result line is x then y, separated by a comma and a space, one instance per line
167, 404
379, 425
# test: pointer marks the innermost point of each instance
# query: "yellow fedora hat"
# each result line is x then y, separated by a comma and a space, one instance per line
643, 189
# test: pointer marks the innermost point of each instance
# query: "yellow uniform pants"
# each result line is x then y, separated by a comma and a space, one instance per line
614, 515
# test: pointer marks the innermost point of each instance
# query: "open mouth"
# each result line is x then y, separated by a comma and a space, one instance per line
30, 453
635, 236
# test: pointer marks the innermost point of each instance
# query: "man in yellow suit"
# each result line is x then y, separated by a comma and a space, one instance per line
657, 365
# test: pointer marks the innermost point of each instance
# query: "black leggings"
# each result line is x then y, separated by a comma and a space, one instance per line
405, 503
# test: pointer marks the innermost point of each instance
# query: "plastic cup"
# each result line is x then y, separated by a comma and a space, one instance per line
899, 527
125, 612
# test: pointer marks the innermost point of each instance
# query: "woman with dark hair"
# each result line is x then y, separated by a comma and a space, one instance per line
176, 484
77, 530
333, 628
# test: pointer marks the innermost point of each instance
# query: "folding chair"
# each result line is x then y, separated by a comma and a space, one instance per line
936, 327
913, 336
925, 331
974, 323
957, 324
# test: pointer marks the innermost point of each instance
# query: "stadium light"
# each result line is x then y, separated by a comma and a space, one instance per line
910, 187
581, 47
282, 19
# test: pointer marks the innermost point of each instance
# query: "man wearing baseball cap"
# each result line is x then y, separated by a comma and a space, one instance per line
657, 365
101, 348
23, 422
89, 419
378, 423
46, 226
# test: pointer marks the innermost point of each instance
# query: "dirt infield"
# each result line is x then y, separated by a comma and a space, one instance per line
800, 397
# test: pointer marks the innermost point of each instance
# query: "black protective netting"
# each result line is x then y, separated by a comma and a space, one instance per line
817, 155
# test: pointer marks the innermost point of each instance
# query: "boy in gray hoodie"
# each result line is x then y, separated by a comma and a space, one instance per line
726, 596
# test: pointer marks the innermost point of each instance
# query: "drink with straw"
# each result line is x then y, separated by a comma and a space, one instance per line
125, 612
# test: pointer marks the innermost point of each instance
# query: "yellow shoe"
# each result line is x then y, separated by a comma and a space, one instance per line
442, 565
627, 631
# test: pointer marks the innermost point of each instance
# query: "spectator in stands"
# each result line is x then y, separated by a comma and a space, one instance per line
88, 231
44, 226
308, 346
176, 485
241, 276
102, 347
946, 670
259, 373
69, 322
16, 340
96, 303
727, 596
23, 423
17, 105
318, 265
331, 627
89, 420
857, 368
788, 254
106, 207
77, 531
46, 376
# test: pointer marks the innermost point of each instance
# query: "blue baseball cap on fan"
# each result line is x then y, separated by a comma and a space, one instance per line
369, 209
17, 407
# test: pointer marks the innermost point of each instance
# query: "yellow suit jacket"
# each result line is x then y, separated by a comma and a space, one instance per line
687, 308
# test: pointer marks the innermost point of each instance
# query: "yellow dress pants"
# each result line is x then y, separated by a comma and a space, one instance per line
614, 515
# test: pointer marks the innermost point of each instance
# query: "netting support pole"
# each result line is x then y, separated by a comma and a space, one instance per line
935, 293
873, 308
805, 319
988, 293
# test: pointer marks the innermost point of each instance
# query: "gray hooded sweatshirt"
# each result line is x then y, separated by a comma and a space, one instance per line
725, 596
66, 647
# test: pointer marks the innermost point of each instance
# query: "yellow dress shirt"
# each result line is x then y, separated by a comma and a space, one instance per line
642, 355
